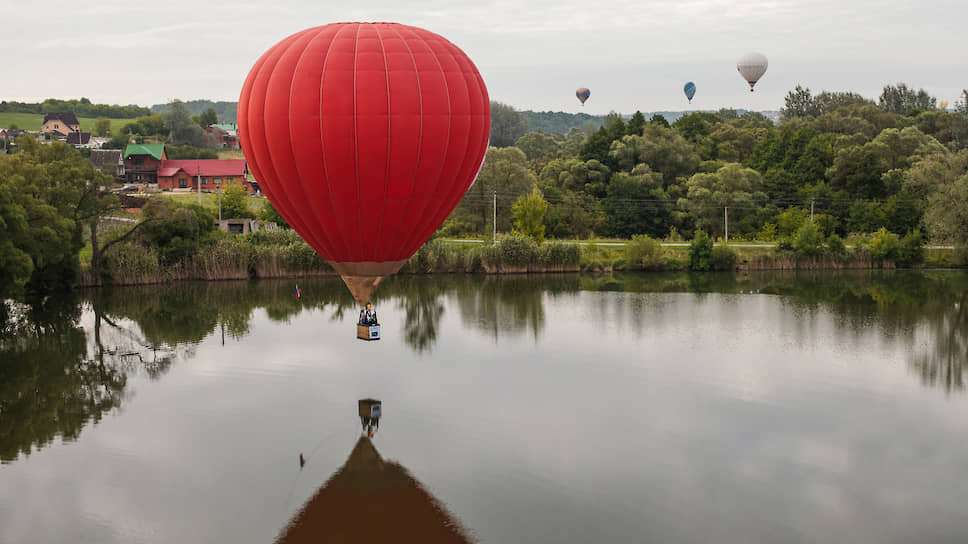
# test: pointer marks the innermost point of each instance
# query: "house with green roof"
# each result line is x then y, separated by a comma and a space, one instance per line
226, 134
142, 161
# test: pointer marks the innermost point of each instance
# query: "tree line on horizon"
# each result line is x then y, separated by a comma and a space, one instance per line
838, 160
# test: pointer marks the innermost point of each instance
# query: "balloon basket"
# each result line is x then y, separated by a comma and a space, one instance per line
367, 332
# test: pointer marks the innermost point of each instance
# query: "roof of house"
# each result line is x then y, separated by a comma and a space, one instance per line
155, 150
203, 167
101, 158
79, 138
66, 117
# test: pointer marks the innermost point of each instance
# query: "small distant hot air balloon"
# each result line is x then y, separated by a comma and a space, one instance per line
752, 66
943, 105
583, 94
690, 90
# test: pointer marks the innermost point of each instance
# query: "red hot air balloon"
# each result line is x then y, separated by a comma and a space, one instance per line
364, 136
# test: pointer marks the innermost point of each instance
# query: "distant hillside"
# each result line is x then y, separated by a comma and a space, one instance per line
559, 122
82, 108
552, 122
33, 121
226, 111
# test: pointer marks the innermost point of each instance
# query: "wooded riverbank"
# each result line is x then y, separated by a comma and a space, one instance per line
284, 255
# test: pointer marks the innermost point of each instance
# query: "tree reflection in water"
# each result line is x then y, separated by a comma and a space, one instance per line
56, 375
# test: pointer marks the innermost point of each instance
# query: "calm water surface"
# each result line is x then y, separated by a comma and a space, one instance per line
824, 407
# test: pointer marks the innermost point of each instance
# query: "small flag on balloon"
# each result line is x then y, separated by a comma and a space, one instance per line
298, 291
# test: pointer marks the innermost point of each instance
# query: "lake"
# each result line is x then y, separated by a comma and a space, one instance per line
754, 407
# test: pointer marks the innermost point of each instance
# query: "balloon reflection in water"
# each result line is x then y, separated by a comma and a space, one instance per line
370, 499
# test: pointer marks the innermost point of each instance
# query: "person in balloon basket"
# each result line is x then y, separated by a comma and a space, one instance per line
368, 315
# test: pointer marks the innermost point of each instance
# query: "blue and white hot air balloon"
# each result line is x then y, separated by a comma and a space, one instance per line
690, 90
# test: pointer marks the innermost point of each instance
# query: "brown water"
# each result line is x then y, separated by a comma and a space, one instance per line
817, 407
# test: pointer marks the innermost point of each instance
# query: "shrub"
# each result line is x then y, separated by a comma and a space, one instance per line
722, 258
808, 241
835, 246
883, 245
559, 254
700, 251
643, 251
514, 250
910, 251
673, 263
767, 233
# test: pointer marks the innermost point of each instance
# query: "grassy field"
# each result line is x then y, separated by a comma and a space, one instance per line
33, 121
210, 200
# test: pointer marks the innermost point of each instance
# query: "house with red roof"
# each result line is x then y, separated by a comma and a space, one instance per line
211, 173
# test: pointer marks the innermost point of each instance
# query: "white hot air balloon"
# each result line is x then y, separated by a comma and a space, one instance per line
752, 66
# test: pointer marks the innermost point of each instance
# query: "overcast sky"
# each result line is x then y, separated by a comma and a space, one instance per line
632, 54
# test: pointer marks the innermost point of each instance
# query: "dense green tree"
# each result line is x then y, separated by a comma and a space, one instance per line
147, 126
175, 230
637, 204
865, 171
208, 117
181, 129
901, 100
940, 184
573, 214
102, 127
663, 149
529, 215
635, 124
48, 193
694, 126
597, 146
269, 214
539, 148
732, 186
505, 173
659, 119
801, 103
507, 124
590, 177
700, 252
235, 202
179, 152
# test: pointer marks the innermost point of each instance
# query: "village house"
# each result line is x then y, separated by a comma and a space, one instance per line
227, 135
109, 162
82, 140
142, 162
60, 124
213, 173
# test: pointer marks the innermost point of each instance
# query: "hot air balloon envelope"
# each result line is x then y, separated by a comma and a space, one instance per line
690, 90
583, 94
752, 66
364, 136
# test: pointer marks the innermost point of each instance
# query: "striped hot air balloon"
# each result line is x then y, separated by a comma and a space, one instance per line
690, 90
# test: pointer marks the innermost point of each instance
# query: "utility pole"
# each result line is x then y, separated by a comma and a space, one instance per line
198, 175
219, 186
726, 220
811, 210
494, 218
